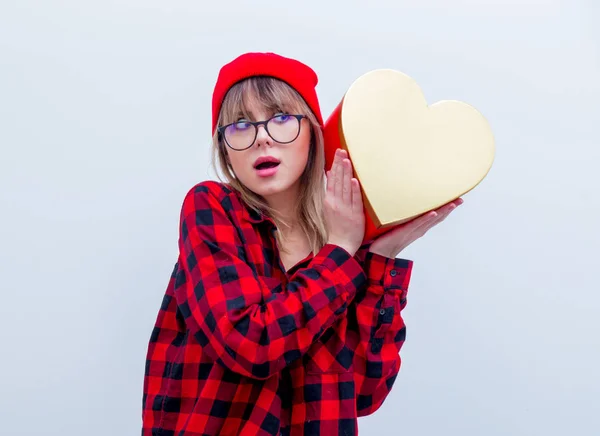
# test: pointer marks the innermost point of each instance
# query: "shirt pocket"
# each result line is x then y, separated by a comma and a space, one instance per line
330, 354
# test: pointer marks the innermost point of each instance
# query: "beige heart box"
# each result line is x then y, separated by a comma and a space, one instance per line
409, 157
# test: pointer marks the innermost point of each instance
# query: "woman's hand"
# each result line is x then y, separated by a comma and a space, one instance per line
344, 213
390, 244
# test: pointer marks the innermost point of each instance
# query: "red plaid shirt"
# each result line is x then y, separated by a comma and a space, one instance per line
242, 347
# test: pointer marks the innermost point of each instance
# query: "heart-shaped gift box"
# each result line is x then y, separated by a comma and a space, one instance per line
409, 157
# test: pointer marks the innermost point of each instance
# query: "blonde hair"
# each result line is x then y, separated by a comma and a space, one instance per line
276, 95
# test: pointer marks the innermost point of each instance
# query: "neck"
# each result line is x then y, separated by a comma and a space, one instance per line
284, 203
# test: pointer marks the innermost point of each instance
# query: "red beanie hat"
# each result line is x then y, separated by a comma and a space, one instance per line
296, 74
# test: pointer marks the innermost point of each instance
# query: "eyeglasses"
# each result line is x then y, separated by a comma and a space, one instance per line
282, 128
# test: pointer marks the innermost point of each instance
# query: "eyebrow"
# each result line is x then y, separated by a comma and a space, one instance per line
275, 109
240, 114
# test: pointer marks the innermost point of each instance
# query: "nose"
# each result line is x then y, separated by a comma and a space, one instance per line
262, 137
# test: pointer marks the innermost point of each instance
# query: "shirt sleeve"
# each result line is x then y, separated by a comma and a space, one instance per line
380, 330
249, 326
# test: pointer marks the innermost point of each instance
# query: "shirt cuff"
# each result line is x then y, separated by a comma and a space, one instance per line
388, 272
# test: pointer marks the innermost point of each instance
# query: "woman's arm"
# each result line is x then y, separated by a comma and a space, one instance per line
380, 331
246, 325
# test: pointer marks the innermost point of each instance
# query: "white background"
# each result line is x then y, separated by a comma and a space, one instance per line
105, 124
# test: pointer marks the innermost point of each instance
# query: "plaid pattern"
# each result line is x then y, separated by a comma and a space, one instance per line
241, 347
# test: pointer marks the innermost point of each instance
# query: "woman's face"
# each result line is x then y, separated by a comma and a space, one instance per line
279, 180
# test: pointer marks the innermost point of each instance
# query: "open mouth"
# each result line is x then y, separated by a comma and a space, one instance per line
266, 165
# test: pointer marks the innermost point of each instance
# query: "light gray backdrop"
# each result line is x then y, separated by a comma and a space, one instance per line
104, 125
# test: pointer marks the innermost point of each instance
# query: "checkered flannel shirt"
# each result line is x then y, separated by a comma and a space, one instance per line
243, 347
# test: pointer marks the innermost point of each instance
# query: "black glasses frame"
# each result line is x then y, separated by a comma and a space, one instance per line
221, 130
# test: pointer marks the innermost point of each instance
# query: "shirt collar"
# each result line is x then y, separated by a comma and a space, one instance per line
253, 215
250, 214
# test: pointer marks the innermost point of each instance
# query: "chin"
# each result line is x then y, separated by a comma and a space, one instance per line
267, 188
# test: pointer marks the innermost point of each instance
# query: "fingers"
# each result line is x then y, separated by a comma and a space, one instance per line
445, 210
332, 176
339, 175
339, 178
357, 204
342, 187
424, 223
347, 175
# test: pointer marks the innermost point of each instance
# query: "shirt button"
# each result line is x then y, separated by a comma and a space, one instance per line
393, 273
382, 312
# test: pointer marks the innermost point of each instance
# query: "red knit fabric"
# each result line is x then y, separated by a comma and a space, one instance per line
296, 74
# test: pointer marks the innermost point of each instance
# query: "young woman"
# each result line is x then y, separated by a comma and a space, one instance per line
276, 320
